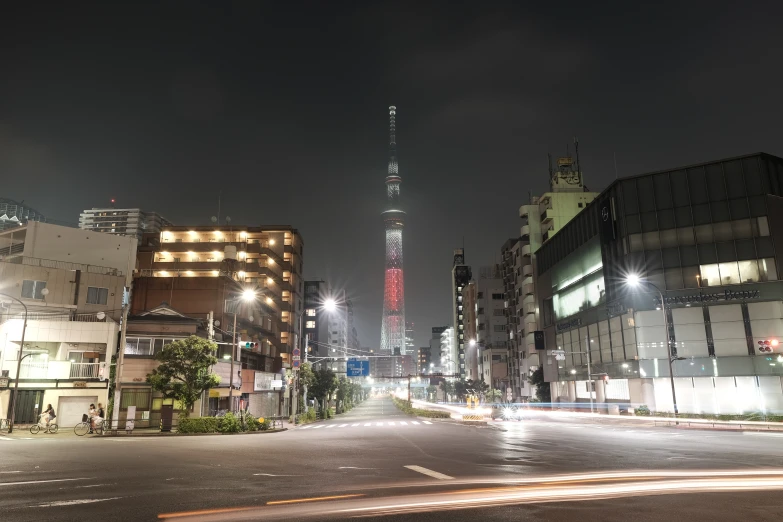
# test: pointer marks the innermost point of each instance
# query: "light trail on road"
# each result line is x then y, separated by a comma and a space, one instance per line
544, 489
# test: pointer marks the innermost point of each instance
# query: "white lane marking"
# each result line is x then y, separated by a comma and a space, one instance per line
391, 424
305, 427
271, 475
91, 486
414, 422
342, 425
10, 471
319, 426
426, 422
368, 424
762, 434
75, 502
331, 426
353, 425
6, 438
429, 472
42, 481
353, 467
403, 423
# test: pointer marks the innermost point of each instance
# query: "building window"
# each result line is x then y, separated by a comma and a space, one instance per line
139, 398
310, 312
497, 297
33, 289
97, 295
310, 324
580, 205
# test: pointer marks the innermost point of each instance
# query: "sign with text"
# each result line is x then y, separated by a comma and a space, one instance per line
357, 368
266, 381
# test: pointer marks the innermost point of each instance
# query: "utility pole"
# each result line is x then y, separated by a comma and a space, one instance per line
115, 414
233, 352
590, 375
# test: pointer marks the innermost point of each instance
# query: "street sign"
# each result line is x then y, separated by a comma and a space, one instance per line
357, 368
297, 363
296, 352
559, 354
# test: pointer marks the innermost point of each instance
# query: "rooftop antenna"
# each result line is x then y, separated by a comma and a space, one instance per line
576, 146
112, 202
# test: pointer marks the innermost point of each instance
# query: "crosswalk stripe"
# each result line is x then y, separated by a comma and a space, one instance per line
391, 424
414, 422
330, 426
319, 426
306, 427
426, 422
352, 425
403, 423
379, 424
368, 424
342, 425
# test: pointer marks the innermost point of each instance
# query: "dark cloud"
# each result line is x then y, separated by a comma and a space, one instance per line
283, 111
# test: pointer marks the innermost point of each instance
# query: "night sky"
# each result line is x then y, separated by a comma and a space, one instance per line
286, 113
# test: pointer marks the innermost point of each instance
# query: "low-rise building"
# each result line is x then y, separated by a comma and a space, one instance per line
123, 221
73, 284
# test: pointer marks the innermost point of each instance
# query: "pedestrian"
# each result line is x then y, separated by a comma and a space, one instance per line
92, 412
49, 412
101, 414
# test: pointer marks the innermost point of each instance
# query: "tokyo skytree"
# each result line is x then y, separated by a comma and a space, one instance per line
393, 327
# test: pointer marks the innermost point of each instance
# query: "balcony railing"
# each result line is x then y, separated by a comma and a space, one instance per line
84, 370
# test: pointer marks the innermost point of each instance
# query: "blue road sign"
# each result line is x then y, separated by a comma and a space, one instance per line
357, 368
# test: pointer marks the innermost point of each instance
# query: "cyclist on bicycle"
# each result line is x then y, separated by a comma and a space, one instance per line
92, 413
50, 416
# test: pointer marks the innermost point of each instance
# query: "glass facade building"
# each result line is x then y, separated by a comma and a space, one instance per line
710, 238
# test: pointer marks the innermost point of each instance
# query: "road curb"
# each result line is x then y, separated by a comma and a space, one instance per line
176, 434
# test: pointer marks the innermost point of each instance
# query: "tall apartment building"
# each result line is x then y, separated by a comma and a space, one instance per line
423, 359
14, 214
123, 221
204, 269
542, 218
707, 237
460, 277
486, 327
410, 345
74, 284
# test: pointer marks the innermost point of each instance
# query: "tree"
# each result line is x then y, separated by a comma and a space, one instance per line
185, 370
325, 383
543, 391
431, 391
493, 394
306, 381
448, 389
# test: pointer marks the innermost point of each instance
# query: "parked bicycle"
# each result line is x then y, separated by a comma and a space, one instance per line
83, 428
48, 428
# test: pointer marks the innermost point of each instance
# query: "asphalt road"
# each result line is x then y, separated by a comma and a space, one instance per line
375, 461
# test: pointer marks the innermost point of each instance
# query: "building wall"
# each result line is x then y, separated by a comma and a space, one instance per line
73, 245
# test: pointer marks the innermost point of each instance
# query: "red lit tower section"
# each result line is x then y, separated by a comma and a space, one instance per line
393, 327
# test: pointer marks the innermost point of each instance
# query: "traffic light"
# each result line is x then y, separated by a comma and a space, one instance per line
768, 345
251, 345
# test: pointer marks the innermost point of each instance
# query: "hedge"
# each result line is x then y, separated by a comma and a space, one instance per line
406, 407
230, 423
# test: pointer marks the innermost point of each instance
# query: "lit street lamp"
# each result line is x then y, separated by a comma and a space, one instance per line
635, 281
247, 296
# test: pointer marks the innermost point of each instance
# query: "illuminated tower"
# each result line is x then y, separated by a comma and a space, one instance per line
393, 327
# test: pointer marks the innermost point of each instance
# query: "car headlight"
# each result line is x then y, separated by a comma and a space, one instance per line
508, 413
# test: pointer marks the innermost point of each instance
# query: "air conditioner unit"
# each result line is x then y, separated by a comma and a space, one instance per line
4, 373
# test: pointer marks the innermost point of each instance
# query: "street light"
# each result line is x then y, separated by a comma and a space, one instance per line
635, 281
330, 305
247, 295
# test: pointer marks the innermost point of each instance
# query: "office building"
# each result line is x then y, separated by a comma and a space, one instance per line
327, 314
708, 237
423, 358
123, 221
486, 328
